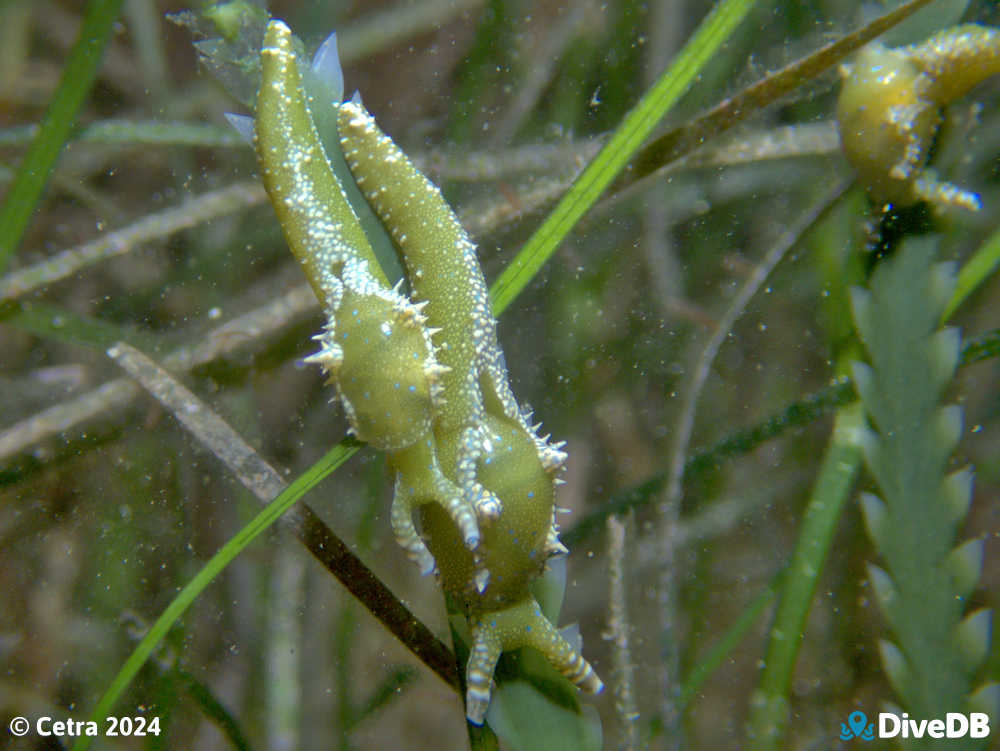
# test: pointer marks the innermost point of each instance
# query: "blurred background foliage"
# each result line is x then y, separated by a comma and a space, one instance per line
107, 506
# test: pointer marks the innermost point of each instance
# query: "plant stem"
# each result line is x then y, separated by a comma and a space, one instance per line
626, 140
769, 706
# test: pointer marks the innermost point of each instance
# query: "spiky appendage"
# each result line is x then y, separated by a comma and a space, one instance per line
522, 625
379, 355
420, 481
475, 444
376, 346
506, 470
319, 224
443, 270
890, 105
514, 550
463, 452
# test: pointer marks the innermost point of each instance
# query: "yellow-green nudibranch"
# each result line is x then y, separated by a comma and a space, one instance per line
421, 377
890, 105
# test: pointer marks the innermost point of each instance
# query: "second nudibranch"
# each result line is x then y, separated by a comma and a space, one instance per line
420, 376
890, 106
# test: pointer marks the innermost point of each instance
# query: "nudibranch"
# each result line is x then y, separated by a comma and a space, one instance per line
421, 375
890, 106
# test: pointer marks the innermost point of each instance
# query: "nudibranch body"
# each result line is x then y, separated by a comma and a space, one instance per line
421, 377
890, 105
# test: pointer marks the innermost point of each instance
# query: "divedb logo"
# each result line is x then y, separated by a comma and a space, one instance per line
891, 725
